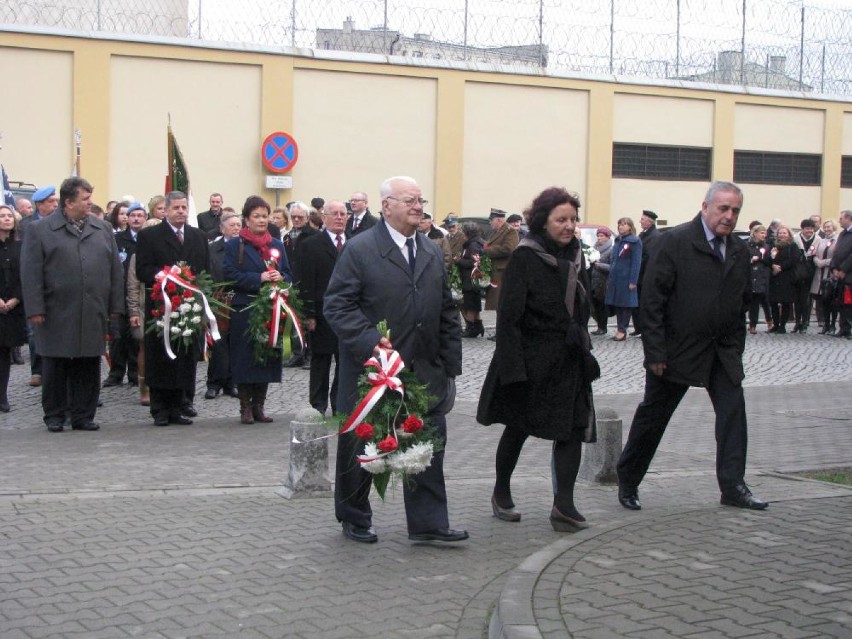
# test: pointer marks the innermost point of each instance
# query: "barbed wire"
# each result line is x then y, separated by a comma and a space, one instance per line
783, 44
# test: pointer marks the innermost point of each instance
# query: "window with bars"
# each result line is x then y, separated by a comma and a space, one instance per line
758, 167
846, 172
656, 162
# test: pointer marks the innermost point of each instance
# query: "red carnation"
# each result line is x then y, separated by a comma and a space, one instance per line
171, 287
155, 312
268, 324
176, 300
188, 295
364, 431
156, 294
412, 424
387, 445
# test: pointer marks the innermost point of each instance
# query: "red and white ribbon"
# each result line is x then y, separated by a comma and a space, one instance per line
476, 274
171, 274
388, 366
279, 297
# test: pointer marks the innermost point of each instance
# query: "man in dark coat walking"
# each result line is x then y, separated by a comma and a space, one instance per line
73, 286
393, 273
841, 270
172, 381
696, 293
318, 255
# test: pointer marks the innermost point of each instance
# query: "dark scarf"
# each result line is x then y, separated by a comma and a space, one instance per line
259, 242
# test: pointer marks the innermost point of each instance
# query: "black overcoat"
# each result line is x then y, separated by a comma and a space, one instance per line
317, 257
782, 287
536, 381
156, 247
471, 249
13, 323
693, 306
761, 267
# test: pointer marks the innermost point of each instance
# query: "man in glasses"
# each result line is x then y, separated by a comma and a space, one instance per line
391, 272
361, 218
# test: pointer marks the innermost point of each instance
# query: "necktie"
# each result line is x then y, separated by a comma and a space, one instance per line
354, 222
410, 244
717, 248
339, 243
180, 235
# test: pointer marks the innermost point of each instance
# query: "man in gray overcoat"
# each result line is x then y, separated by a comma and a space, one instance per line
73, 285
391, 272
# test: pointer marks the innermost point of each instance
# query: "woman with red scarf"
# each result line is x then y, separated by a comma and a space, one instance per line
251, 260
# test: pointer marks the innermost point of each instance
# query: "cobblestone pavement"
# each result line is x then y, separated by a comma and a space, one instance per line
137, 531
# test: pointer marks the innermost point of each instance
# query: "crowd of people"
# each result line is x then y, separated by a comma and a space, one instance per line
75, 275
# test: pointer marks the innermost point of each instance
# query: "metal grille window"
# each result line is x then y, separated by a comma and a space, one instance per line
757, 167
846, 172
652, 162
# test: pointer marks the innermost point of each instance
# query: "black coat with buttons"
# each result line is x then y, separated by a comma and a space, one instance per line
13, 323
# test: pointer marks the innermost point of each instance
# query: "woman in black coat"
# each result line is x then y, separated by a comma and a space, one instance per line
12, 321
761, 271
782, 288
471, 293
539, 380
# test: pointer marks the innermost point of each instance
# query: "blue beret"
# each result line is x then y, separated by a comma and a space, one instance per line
43, 193
136, 206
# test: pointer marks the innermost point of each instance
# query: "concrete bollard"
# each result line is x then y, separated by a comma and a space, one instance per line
600, 458
308, 472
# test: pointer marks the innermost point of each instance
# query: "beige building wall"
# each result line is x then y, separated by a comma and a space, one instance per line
520, 140
664, 120
846, 149
215, 113
356, 129
36, 115
778, 129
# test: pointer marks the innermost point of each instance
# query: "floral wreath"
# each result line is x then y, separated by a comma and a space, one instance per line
481, 273
275, 301
181, 304
397, 442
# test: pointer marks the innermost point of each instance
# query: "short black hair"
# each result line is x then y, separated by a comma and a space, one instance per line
544, 203
255, 202
71, 187
807, 224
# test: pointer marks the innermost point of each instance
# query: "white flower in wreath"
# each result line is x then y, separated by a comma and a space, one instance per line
592, 255
174, 330
175, 315
196, 307
376, 467
413, 460
185, 308
160, 324
196, 320
187, 333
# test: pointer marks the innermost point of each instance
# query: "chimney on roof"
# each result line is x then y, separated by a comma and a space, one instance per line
777, 63
348, 25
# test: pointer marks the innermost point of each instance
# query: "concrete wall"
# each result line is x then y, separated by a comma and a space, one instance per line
474, 139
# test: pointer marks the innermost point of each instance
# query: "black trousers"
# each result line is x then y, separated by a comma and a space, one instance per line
425, 495
802, 306
758, 301
653, 414
219, 366
318, 393
70, 386
600, 314
123, 353
167, 402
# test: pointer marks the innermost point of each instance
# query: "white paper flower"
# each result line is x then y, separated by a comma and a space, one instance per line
196, 307
187, 333
196, 319
175, 315
185, 308
412, 460
376, 467
174, 330
160, 323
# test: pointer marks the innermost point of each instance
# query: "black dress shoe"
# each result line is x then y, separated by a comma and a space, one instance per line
506, 514
4, 407
600, 331
439, 534
359, 533
635, 333
231, 391
161, 420
629, 498
55, 427
86, 426
188, 410
740, 496
133, 381
180, 420
111, 381
296, 360
211, 393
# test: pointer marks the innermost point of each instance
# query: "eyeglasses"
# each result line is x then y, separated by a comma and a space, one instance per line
353, 200
338, 214
297, 217
409, 201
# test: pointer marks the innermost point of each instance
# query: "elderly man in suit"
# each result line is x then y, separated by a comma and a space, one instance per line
697, 290
317, 257
172, 381
391, 272
73, 285
361, 219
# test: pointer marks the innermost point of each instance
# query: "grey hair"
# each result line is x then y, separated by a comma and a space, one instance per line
385, 189
171, 196
304, 208
721, 186
846, 213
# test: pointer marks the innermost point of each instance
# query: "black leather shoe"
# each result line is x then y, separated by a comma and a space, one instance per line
600, 331
211, 393
55, 427
740, 497
162, 420
293, 362
359, 533
188, 410
111, 381
635, 334
629, 498
440, 534
86, 426
180, 420
4, 407
231, 391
